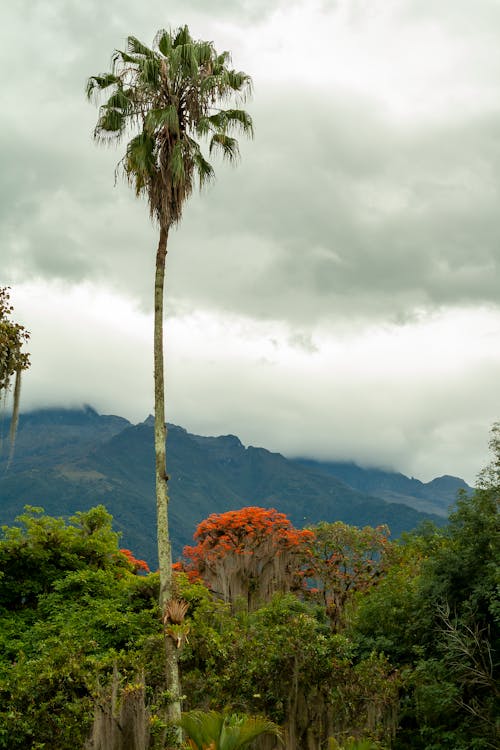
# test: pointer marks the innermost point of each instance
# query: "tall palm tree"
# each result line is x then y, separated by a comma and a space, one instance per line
168, 99
212, 730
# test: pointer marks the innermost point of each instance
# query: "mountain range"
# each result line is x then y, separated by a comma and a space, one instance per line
67, 460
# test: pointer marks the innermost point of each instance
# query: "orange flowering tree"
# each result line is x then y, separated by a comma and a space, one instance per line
250, 553
137, 565
343, 560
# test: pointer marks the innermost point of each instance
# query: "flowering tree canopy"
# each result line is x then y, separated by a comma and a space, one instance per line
251, 553
137, 565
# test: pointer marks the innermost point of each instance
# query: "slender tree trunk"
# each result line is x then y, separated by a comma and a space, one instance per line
162, 499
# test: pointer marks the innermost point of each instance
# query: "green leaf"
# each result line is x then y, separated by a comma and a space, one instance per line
159, 118
204, 168
227, 145
110, 121
177, 164
140, 163
137, 48
100, 83
164, 42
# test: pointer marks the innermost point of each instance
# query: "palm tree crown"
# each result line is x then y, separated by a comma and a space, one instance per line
167, 97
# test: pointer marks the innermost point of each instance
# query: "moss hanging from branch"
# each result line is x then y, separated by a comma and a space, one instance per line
248, 554
13, 360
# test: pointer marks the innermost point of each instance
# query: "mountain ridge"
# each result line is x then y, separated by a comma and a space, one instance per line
69, 460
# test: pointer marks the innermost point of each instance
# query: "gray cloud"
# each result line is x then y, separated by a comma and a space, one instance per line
348, 214
342, 211
335, 209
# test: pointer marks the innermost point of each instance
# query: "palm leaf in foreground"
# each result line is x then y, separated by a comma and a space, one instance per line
212, 730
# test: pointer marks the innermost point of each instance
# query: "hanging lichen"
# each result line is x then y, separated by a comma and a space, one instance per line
121, 718
13, 360
247, 555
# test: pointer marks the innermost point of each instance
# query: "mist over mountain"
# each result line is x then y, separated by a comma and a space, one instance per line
72, 459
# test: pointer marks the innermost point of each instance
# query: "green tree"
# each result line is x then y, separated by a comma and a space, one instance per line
345, 560
70, 609
168, 97
436, 615
13, 360
461, 584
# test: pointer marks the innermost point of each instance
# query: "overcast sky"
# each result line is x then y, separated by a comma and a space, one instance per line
337, 294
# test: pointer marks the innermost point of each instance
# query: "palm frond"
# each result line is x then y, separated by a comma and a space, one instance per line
240, 732
138, 48
163, 41
149, 72
207, 729
159, 118
119, 58
202, 727
99, 83
111, 123
204, 52
223, 59
139, 163
182, 37
204, 169
120, 100
238, 81
177, 164
188, 63
203, 126
240, 119
232, 119
227, 145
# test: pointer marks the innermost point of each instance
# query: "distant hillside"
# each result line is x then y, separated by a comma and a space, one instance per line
69, 460
432, 497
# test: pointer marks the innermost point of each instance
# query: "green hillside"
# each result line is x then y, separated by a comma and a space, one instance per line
70, 460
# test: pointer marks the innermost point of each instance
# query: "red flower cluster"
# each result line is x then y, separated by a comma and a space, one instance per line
138, 565
243, 532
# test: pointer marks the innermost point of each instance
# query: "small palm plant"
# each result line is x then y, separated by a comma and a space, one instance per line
213, 730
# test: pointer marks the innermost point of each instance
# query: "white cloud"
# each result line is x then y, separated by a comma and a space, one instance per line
330, 296
418, 397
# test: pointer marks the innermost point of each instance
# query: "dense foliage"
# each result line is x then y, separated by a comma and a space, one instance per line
411, 663
70, 608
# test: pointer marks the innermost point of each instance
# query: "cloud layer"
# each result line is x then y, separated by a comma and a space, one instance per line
363, 217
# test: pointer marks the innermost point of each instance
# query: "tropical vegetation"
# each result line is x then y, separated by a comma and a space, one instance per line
327, 637
409, 662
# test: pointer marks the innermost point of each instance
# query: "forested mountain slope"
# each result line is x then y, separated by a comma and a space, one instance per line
431, 497
69, 460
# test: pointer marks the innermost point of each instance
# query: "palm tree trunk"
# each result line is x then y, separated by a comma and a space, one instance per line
162, 499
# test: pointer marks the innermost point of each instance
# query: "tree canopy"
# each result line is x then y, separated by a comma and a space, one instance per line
251, 553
